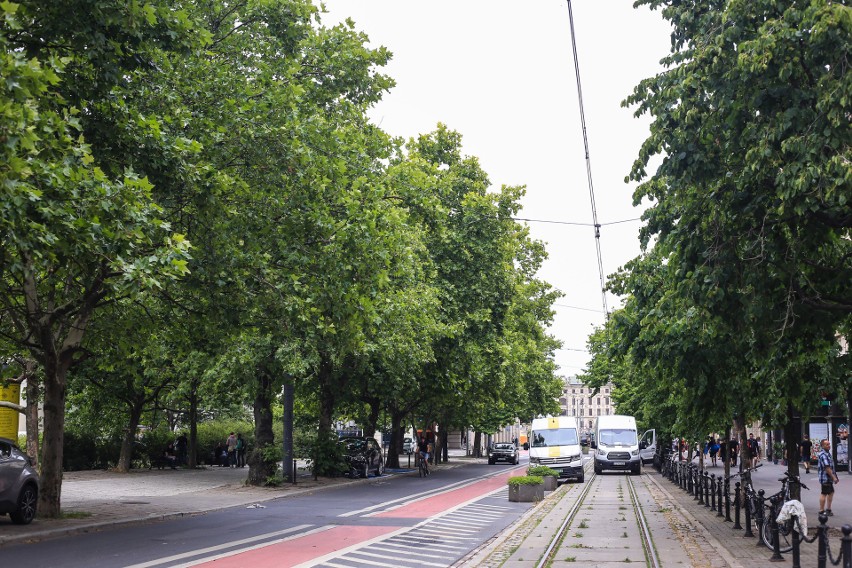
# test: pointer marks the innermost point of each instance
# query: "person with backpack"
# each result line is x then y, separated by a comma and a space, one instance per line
753, 450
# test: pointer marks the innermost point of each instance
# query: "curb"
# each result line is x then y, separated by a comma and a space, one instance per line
47, 533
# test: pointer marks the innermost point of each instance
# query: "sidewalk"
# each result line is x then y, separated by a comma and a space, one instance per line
97, 499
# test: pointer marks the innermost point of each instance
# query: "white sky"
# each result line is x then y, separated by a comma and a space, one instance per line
501, 73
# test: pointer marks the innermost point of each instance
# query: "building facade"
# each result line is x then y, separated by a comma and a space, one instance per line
577, 400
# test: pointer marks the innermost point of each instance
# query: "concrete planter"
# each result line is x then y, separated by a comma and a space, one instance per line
551, 482
526, 493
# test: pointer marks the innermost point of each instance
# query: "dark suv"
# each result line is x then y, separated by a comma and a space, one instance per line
363, 455
501, 451
18, 484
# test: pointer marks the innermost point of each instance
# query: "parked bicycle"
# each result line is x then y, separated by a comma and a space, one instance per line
785, 530
750, 499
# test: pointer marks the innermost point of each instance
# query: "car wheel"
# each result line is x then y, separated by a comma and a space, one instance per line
580, 479
598, 469
380, 468
517, 461
491, 462
26, 510
365, 471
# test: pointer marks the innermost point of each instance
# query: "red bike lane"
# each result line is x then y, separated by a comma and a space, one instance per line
335, 539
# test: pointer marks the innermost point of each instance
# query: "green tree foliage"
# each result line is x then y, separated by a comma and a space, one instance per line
735, 311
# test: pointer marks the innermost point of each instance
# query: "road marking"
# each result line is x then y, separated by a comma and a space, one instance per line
221, 547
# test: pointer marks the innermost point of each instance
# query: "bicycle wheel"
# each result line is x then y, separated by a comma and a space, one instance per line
785, 535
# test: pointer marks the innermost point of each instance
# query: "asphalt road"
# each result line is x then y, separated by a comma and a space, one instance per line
443, 516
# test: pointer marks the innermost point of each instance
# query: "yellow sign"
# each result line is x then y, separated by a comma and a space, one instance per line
8, 417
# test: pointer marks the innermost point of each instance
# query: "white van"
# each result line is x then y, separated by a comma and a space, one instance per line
616, 444
554, 442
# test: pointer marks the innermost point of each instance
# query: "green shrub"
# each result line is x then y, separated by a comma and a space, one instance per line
326, 454
217, 431
525, 480
541, 471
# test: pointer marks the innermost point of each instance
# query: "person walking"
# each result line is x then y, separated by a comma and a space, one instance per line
753, 450
241, 451
805, 452
231, 444
827, 478
180, 446
714, 450
734, 449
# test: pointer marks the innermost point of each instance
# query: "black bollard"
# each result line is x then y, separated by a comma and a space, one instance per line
737, 526
846, 546
773, 529
759, 515
748, 504
797, 563
699, 487
727, 500
706, 485
822, 541
719, 512
713, 492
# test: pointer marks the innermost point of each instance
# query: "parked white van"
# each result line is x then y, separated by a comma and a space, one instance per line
616, 444
554, 442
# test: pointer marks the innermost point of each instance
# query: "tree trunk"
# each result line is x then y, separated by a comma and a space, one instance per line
792, 435
31, 414
127, 444
477, 444
260, 467
327, 399
54, 437
396, 440
444, 450
192, 446
372, 417
739, 424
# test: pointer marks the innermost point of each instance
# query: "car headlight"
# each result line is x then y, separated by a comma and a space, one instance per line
534, 460
601, 452
634, 453
574, 458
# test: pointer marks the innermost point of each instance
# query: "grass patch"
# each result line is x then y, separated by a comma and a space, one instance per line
578, 535
75, 515
583, 525
624, 535
571, 559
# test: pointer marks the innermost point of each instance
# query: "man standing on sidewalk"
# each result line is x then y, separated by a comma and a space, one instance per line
827, 478
805, 452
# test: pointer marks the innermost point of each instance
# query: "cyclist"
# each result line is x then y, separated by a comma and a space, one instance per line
423, 450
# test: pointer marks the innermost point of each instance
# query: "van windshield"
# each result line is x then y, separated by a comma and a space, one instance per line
556, 437
617, 437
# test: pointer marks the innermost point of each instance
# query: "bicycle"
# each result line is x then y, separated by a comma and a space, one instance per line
750, 498
785, 530
423, 467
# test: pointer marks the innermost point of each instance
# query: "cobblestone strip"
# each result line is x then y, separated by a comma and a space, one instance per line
699, 548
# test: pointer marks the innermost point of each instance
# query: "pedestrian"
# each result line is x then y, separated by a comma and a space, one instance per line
805, 451
231, 444
714, 451
753, 450
241, 451
734, 449
723, 450
180, 446
827, 478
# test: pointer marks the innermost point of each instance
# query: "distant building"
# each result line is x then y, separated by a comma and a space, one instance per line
577, 400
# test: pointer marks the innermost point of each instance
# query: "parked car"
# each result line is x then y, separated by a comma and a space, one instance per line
19, 484
363, 455
501, 451
408, 446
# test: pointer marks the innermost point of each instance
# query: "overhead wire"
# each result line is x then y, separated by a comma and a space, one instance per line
596, 225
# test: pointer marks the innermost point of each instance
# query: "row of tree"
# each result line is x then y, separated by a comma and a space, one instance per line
741, 309
196, 212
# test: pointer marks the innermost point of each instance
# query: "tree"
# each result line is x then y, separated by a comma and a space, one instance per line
73, 237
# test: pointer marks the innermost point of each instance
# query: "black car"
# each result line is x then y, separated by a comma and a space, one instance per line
18, 484
363, 455
501, 451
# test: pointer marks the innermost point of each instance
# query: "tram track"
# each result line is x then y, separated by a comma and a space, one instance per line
608, 503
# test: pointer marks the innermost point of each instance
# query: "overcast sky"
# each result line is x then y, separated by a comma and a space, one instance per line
502, 74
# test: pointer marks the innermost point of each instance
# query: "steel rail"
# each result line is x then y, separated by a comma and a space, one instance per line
557, 538
647, 542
